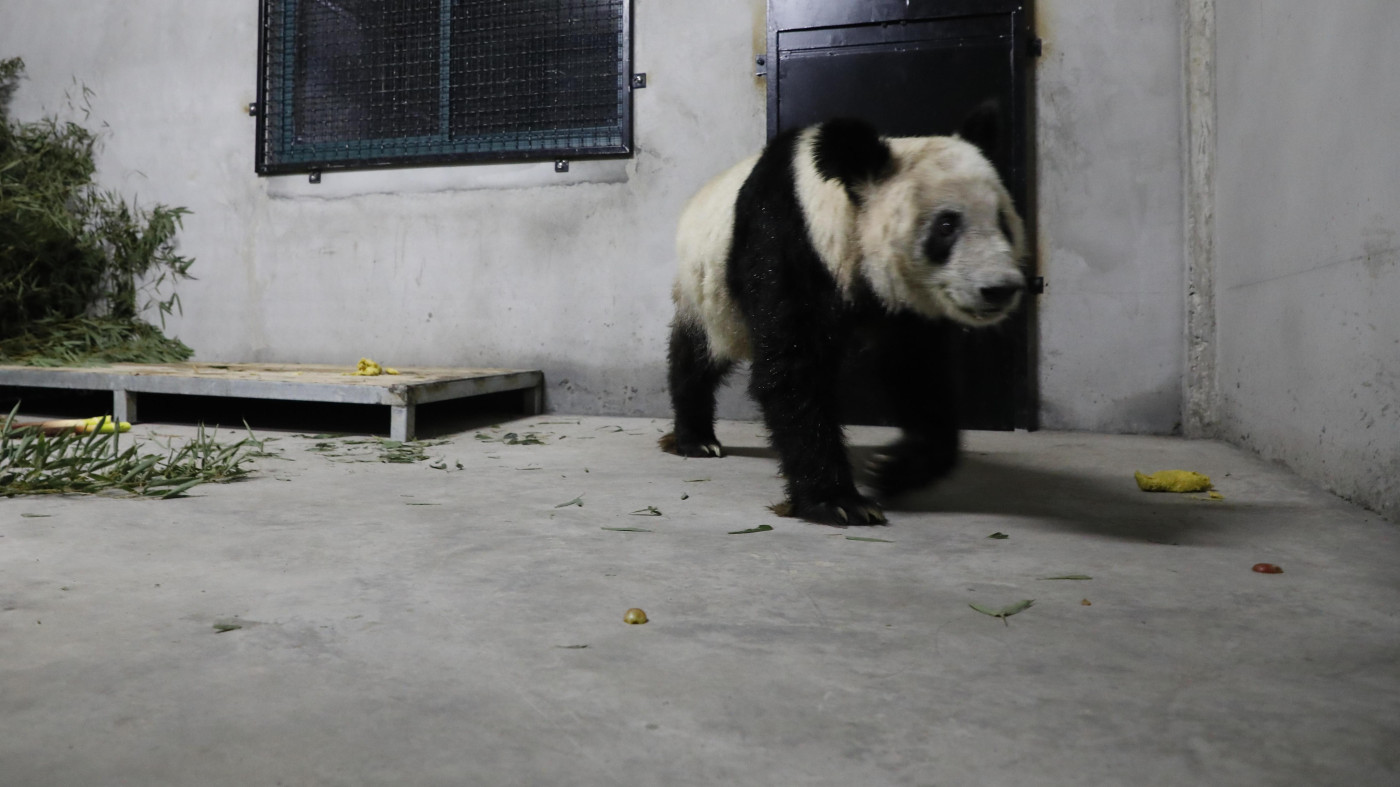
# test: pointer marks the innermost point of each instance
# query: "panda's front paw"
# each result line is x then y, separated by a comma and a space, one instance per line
690, 447
842, 510
908, 465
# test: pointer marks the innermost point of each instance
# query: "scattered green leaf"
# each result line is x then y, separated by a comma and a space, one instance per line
998, 535
529, 438
1004, 612
36, 516
648, 511
759, 529
376, 449
865, 538
1066, 576
578, 501
628, 529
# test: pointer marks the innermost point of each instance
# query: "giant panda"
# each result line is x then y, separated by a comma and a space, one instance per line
832, 235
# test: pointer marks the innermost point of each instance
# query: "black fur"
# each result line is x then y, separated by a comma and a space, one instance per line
694, 377
947, 227
982, 127
851, 152
799, 329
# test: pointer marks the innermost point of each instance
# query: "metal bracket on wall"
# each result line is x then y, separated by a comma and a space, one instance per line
314, 176
253, 109
1037, 285
561, 165
639, 81
761, 63
1035, 46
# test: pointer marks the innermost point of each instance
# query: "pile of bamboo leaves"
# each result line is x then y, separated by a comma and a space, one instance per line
32, 463
78, 264
84, 341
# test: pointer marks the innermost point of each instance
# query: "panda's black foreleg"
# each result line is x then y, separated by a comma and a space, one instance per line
694, 377
795, 389
915, 369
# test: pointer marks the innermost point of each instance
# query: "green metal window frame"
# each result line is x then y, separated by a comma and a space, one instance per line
281, 149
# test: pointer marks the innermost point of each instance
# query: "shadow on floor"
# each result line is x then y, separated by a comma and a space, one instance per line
1002, 485
1111, 507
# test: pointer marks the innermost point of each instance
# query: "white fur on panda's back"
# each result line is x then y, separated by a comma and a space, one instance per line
830, 216
705, 234
703, 238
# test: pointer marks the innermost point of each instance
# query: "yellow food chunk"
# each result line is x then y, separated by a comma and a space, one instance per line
1173, 481
367, 368
634, 615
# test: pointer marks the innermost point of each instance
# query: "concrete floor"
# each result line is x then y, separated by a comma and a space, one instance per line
406, 625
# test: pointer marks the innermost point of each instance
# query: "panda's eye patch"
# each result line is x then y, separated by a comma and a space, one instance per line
947, 224
943, 236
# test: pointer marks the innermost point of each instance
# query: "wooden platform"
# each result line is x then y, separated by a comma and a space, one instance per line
401, 393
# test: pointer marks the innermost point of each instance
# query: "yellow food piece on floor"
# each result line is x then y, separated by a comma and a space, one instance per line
1173, 481
368, 368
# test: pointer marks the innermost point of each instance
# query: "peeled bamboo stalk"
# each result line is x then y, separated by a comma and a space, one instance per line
101, 423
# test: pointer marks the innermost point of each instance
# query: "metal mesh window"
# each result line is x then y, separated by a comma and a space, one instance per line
359, 83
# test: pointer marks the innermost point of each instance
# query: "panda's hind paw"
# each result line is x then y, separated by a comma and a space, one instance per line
673, 445
843, 511
858, 511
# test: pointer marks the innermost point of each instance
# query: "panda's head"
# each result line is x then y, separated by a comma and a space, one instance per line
936, 229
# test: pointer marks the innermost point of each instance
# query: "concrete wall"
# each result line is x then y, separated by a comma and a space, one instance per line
458, 267
1111, 234
1308, 237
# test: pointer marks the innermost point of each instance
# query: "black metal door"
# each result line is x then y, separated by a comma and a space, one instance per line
917, 67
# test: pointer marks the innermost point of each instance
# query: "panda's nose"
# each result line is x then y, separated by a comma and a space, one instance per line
1001, 294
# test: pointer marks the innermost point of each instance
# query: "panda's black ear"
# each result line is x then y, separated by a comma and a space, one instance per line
982, 127
850, 151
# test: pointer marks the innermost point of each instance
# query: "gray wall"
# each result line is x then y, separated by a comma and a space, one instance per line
1111, 234
1308, 237
482, 266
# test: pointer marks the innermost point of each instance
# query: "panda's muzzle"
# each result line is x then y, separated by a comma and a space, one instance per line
1001, 296
993, 302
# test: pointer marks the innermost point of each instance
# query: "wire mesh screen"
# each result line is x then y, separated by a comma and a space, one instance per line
354, 83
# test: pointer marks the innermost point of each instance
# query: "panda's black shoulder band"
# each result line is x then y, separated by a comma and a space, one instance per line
850, 151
